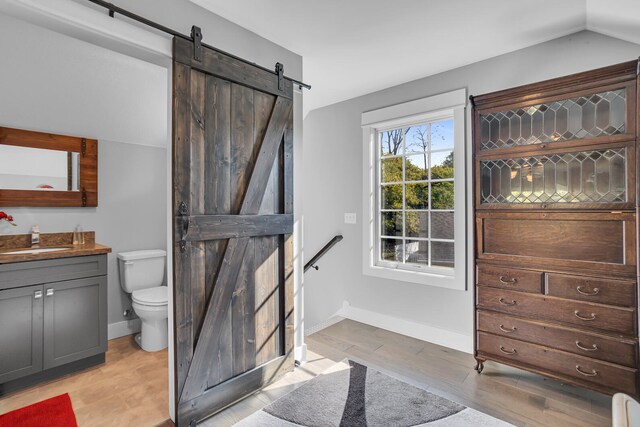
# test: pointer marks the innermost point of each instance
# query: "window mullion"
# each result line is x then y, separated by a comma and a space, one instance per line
378, 198
404, 195
430, 249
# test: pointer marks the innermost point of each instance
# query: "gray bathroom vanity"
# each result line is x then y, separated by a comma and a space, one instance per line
53, 317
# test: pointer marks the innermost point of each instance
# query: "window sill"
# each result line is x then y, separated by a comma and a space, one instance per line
422, 278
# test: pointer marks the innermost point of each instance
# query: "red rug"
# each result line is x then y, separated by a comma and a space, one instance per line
54, 412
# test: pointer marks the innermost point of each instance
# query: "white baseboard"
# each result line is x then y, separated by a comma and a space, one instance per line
124, 328
443, 337
320, 326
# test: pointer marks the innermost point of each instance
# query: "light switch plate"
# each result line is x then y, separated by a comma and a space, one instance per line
350, 218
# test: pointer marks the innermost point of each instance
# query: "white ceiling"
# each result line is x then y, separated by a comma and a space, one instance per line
354, 47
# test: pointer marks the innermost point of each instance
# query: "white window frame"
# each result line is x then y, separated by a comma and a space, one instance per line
439, 107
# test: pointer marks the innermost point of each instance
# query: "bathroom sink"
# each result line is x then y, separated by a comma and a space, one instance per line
34, 251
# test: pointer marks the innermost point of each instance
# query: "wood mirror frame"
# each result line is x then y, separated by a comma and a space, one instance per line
87, 196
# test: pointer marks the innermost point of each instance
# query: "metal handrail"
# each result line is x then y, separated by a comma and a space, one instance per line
312, 262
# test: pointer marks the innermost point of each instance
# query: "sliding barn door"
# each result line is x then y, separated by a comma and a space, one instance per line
233, 219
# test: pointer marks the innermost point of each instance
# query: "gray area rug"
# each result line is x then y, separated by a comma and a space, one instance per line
353, 395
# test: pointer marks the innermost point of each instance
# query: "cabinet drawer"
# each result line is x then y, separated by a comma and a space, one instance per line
540, 307
619, 351
53, 270
593, 289
510, 278
560, 363
597, 241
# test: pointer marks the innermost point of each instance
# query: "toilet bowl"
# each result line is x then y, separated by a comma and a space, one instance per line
142, 275
151, 307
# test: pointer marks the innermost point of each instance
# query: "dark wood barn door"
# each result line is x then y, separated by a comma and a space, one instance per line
233, 220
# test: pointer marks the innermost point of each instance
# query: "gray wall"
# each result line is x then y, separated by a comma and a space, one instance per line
131, 212
75, 82
180, 15
94, 86
333, 180
54, 83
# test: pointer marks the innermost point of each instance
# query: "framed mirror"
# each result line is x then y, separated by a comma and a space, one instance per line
42, 169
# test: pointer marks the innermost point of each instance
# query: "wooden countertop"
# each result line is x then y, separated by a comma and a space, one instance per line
68, 252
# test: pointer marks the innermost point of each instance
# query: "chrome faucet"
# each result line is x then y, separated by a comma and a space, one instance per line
35, 235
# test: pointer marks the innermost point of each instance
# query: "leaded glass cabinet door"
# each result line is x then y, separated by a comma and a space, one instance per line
565, 152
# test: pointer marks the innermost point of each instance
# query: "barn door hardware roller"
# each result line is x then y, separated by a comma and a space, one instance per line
280, 73
196, 35
184, 228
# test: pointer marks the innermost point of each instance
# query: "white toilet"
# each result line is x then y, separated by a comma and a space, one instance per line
142, 275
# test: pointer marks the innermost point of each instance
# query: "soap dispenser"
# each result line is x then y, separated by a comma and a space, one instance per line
35, 235
78, 236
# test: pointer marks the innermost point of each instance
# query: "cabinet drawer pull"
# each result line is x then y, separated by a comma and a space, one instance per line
593, 372
594, 347
586, 319
49, 292
37, 294
503, 302
508, 331
596, 291
506, 281
514, 351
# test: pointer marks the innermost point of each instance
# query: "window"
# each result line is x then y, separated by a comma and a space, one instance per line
416, 195
414, 191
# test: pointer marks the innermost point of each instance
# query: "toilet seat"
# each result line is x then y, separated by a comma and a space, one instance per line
151, 297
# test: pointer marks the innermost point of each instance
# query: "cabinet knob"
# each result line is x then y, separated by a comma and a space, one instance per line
49, 292
37, 294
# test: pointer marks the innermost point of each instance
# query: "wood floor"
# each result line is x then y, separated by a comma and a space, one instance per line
131, 388
510, 394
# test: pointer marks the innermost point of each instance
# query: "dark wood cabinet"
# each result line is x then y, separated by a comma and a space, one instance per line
555, 207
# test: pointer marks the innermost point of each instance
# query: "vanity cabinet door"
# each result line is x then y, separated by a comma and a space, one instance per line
75, 320
21, 332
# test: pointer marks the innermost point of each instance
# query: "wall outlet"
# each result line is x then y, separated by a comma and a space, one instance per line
350, 218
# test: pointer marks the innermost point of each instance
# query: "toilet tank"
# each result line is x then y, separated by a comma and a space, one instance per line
141, 269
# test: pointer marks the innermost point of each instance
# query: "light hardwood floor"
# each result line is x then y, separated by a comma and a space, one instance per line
131, 388
510, 394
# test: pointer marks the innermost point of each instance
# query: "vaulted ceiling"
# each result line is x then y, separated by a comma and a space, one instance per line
355, 47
